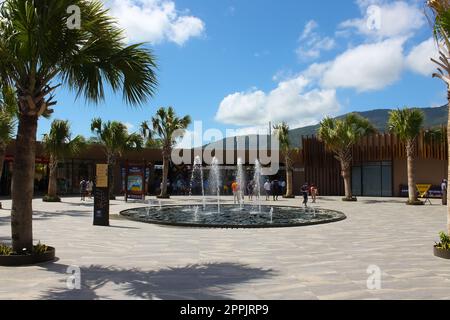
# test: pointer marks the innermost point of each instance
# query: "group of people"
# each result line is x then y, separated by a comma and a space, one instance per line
309, 189
274, 188
86, 188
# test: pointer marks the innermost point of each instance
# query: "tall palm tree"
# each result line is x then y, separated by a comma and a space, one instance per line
40, 51
406, 124
58, 145
282, 133
115, 139
340, 135
169, 127
439, 15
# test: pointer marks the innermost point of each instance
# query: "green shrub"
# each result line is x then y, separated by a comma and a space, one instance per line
40, 248
47, 198
5, 250
445, 241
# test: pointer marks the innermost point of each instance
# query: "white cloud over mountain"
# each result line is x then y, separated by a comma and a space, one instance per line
155, 21
419, 59
383, 52
366, 67
290, 101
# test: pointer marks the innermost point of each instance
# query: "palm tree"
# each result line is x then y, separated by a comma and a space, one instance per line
40, 51
169, 127
150, 139
282, 133
115, 139
58, 145
340, 135
406, 124
439, 15
8, 114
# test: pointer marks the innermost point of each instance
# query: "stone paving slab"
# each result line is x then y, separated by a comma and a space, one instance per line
132, 260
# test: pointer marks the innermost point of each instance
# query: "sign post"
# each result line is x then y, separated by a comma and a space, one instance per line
423, 191
135, 182
101, 196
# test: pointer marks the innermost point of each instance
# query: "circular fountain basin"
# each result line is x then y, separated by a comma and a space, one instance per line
233, 216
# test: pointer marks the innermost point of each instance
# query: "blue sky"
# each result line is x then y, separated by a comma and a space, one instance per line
247, 62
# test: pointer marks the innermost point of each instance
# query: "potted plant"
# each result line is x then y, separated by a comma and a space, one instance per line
40, 253
442, 249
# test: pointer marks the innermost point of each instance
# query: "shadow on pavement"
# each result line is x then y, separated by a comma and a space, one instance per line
200, 281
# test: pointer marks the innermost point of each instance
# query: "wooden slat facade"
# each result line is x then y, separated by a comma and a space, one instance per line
323, 169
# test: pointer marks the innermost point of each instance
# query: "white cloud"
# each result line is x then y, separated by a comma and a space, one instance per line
366, 67
386, 20
312, 43
418, 60
290, 101
155, 21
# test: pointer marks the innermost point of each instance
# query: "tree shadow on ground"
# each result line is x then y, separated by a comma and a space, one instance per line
211, 281
387, 200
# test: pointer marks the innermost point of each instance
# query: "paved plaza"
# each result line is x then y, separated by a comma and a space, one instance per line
132, 260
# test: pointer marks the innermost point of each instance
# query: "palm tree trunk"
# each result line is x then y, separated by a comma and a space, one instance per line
23, 184
165, 176
288, 183
111, 164
412, 194
345, 172
52, 180
2, 158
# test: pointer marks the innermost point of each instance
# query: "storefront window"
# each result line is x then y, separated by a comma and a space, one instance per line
372, 179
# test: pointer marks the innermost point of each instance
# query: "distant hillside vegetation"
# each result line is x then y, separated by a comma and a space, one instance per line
433, 117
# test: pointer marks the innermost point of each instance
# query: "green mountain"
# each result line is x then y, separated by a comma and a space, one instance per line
434, 117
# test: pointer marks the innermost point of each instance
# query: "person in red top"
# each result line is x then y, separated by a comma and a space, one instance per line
235, 188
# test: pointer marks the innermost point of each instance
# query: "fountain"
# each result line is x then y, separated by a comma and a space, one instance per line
240, 179
215, 182
257, 180
271, 215
227, 215
197, 178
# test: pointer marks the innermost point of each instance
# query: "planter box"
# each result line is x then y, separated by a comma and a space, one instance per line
444, 254
23, 260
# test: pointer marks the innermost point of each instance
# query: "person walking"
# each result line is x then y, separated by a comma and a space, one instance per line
275, 189
304, 191
314, 192
267, 189
250, 189
83, 187
444, 186
89, 188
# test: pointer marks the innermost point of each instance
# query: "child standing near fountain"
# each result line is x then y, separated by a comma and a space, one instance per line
236, 192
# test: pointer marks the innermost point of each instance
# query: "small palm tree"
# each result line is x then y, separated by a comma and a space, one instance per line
406, 124
40, 50
115, 139
282, 133
58, 145
439, 15
150, 139
340, 135
168, 127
